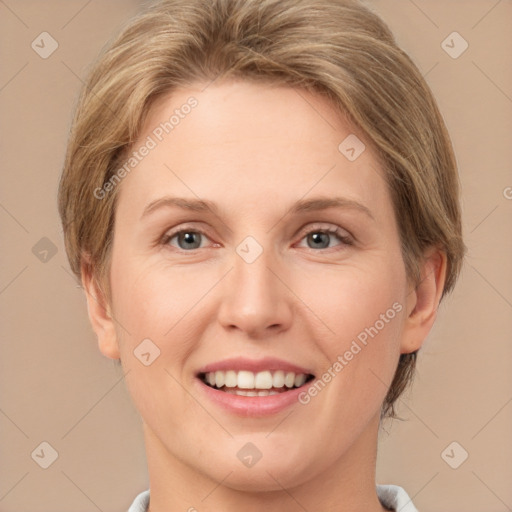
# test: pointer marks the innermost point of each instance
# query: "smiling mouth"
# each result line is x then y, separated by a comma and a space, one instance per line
246, 383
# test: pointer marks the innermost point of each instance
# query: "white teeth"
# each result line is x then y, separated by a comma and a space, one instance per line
243, 392
230, 380
210, 378
299, 380
263, 381
278, 379
289, 380
219, 379
246, 380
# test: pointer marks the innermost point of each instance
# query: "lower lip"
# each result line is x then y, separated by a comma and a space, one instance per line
252, 406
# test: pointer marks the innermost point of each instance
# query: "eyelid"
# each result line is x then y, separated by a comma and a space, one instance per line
327, 227
334, 229
344, 237
171, 233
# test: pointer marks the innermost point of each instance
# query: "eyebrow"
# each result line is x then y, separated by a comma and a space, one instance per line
303, 205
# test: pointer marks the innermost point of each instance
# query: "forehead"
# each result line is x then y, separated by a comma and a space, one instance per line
244, 143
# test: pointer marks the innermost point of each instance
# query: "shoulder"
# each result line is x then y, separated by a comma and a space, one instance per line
391, 496
140, 503
395, 498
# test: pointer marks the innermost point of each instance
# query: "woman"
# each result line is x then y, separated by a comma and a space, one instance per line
301, 155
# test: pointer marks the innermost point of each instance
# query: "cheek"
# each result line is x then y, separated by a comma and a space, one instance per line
348, 300
360, 313
155, 307
155, 299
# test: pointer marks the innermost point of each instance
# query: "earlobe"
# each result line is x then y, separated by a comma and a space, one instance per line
99, 313
423, 301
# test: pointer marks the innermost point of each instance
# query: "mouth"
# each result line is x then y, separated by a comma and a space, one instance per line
247, 383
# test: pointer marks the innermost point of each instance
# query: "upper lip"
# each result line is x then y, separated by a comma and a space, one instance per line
253, 365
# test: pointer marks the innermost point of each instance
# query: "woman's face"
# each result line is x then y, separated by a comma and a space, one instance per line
264, 280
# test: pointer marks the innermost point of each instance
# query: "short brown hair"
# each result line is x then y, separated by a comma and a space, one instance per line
337, 48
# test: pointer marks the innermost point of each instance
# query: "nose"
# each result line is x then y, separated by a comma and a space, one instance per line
256, 300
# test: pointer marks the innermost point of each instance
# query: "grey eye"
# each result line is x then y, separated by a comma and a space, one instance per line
319, 239
188, 239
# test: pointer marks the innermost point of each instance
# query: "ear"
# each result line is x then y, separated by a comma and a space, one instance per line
99, 312
423, 301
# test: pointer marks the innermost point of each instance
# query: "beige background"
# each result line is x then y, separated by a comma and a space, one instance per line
56, 387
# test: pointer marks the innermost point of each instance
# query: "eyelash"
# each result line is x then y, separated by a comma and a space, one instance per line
346, 240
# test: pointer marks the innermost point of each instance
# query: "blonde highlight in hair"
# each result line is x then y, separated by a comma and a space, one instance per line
337, 48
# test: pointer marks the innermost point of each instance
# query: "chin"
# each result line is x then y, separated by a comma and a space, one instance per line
262, 470
265, 478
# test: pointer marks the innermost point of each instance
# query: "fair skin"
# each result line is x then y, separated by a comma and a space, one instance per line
254, 151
